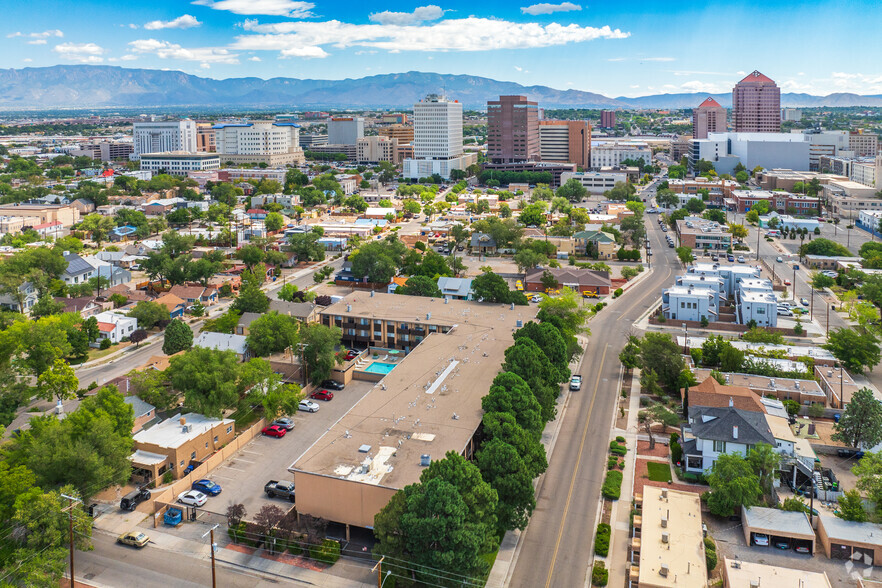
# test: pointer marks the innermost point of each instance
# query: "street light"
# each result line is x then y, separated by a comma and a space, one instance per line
388, 573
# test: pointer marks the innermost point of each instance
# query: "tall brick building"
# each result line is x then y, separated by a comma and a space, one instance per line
512, 130
756, 105
709, 117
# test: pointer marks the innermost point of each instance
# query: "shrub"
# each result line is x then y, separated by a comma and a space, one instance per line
328, 552
601, 541
168, 477
676, 452
612, 462
816, 410
704, 321
791, 406
599, 306
710, 554
612, 486
599, 575
620, 439
617, 293
105, 344
237, 532
619, 450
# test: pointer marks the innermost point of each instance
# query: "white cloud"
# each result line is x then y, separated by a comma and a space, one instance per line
706, 87
305, 39
37, 42
166, 50
133, 26
656, 59
129, 57
204, 66
81, 52
545, 8
255, 58
27, 60
185, 21
419, 14
42, 35
289, 8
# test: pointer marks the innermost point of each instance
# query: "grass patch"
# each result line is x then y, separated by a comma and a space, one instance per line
658, 471
490, 558
99, 353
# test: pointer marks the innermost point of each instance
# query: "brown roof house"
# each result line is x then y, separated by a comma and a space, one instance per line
581, 280
713, 394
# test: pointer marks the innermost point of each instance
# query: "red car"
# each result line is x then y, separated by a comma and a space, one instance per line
322, 395
274, 431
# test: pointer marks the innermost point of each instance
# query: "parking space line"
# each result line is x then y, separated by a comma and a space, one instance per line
254, 452
243, 460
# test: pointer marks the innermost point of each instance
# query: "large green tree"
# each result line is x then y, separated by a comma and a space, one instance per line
319, 350
272, 333
207, 377
733, 484
511, 394
661, 354
526, 359
856, 349
149, 314
861, 423
419, 286
552, 343
178, 337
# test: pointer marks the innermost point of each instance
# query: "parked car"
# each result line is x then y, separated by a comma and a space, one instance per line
131, 500
536, 299
133, 538
192, 498
788, 283
307, 406
730, 257
801, 549
850, 452
322, 395
803, 301
780, 544
333, 385
740, 259
277, 489
274, 431
779, 259
783, 311
206, 486
576, 382
760, 539
286, 423
830, 274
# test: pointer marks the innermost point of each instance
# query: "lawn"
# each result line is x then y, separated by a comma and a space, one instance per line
658, 471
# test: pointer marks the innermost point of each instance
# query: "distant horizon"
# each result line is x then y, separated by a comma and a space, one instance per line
621, 50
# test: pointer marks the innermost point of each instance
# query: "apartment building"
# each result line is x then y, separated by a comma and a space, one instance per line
613, 153
566, 141
161, 137
698, 233
272, 143
179, 163
607, 119
756, 105
690, 303
376, 149
744, 200
512, 129
37, 214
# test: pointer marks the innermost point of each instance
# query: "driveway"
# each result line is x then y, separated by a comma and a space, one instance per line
244, 475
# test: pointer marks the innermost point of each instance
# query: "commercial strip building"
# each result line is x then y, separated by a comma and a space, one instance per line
555, 169
427, 404
179, 163
512, 129
597, 182
160, 137
756, 105
667, 549
709, 117
785, 179
565, 141
581, 280
802, 391
744, 200
741, 574
272, 143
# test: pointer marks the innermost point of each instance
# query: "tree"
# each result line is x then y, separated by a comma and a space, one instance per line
661, 354
33, 346
752, 216
419, 286
667, 198
97, 226
58, 382
207, 377
572, 190
251, 299
695, 205
510, 394
856, 350
319, 345
149, 314
861, 423
630, 354
278, 399
820, 281
738, 231
656, 414
715, 214
528, 361
552, 343
46, 306
527, 259
765, 461
503, 468
824, 247
741, 177
178, 337
489, 287
851, 507
306, 246
274, 221
378, 261
272, 333
869, 473
685, 254
152, 386
731, 359
733, 485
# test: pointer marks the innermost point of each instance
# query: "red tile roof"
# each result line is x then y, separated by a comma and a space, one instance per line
47, 225
106, 327
712, 393
756, 76
710, 103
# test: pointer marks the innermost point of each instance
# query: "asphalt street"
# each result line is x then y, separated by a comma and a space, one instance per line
555, 546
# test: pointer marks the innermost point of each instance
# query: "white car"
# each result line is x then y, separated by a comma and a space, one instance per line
784, 311
760, 539
308, 406
192, 498
779, 259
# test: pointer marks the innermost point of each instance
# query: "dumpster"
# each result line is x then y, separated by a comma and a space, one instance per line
173, 517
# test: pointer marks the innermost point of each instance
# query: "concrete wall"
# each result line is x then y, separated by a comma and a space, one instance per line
342, 501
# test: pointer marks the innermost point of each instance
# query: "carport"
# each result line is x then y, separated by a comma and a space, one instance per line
792, 528
850, 540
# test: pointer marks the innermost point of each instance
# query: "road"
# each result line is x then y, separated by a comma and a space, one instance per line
555, 545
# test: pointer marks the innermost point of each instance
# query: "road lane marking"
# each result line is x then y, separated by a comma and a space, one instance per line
576, 469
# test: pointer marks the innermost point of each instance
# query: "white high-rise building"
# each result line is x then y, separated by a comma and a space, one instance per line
273, 143
345, 130
160, 137
437, 138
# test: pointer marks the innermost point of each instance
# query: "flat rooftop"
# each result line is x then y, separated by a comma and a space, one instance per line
683, 552
806, 387
745, 573
430, 403
789, 349
170, 433
777, 522
851, 532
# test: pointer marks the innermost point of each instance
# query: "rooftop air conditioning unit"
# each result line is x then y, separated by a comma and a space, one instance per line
663, 571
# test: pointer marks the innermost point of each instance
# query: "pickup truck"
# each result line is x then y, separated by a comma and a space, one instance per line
277, 489
576, 382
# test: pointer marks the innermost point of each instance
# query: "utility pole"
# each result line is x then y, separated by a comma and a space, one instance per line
70, 506
812, 298
213, 547
758, 231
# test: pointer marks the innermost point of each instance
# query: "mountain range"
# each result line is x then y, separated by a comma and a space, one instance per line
101, 86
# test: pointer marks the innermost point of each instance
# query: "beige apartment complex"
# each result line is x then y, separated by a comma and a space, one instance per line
38, 214
403, 133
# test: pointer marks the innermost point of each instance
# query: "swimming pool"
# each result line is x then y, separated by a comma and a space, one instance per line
379, 367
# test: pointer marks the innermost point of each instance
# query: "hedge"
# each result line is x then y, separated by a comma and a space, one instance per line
710, 554
328, 552
612, 462
599, 575
601, 542
612, 486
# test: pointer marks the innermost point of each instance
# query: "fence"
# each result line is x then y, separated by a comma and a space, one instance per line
161, 501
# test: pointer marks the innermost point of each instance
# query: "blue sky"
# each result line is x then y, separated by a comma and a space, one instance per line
614, 48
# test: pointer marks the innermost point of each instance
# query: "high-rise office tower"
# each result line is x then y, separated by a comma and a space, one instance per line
512, 129
607, 119
756, 105
566, 141
161, 137
709, 117
437, 138
345, 130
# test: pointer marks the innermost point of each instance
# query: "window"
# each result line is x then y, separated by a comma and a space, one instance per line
182, 463
215, 440
720, 446
229, 429
206, 444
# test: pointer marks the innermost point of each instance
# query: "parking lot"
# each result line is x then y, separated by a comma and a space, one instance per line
244, 475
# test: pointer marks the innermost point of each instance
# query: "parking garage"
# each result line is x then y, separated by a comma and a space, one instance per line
850, 540
773, 528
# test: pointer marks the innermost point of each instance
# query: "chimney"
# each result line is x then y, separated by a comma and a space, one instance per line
183, 421
735, 431
731, 402
663, 571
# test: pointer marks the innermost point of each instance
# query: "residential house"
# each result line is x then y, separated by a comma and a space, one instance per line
175, 305
85, 306
144, 412
598, 243
223, 342
23, 301
581, 280
455, 288
163, 206
176, 442
711, 393
191, 294
52, 229
122, 233
257, 213
395, 283
482, 243
712, 431
109, 270
78, 269
305, 312
690, 303
245, 321
114, 326
84, 205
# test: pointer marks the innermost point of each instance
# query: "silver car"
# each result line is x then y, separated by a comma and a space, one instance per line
308, 406
286, 423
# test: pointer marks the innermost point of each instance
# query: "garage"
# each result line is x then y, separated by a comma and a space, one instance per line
770, 528
850, 540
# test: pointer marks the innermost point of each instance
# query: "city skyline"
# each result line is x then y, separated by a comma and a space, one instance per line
611, 50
